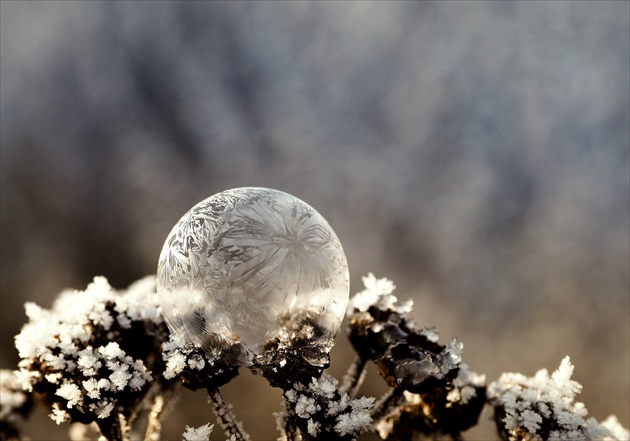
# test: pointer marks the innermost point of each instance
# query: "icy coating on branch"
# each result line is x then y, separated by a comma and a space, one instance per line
91, 355
240, 264
322, 412
543, 408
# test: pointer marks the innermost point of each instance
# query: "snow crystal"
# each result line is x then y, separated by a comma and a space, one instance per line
104, 410
92, 389
201, 433
141, 301
349, 423
325, 386
465, 384
375, 290
77, 337
616, 429
111, 351
88, 361
175, 364
120, 376
531, 420
291, 395
70, 392
53, 378
336, 407
100, 316
305, 407
312, 427
124, 321
451, 356
528, 403
137, 381
196, 362
381, 286
11, 397
59, 415
430, 333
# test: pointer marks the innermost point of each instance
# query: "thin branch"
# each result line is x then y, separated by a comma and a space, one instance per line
225, 416
154, 426
354, 376
114, 429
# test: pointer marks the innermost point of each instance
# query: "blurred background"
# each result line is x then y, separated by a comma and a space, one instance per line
475, 153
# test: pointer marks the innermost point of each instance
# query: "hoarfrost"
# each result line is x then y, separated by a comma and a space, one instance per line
201, 433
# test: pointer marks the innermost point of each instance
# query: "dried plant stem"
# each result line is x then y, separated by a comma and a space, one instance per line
154, 426
227, 420
354, 376
115, 429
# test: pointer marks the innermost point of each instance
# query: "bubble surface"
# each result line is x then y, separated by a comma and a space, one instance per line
248, 266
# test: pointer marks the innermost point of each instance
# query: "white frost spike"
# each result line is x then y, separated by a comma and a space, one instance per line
240, 263
198, 434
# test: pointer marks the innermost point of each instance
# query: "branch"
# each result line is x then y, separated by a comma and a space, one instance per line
227, 419
354, 376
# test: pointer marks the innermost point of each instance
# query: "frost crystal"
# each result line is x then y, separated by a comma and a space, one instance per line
201, 433
543, 408
241, 264
322, 411
193, 367
15, 404
87, 354
376, 292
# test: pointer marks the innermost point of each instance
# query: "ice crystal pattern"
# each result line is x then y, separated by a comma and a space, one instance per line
543, 407
240, 263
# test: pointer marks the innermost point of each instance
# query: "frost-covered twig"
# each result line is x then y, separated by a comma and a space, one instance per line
227, 420
354, 377
321, 412
93, 355
99, 356
542, 407
154, 424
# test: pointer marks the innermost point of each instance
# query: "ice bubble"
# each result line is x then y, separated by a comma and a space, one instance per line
248, 266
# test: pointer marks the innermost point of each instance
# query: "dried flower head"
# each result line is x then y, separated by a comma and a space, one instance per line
542, 407
321, 412
444, 411
91, 354
407, 357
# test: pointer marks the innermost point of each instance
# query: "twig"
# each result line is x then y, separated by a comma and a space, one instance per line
227, 419
154, 425
114, 429
354, 376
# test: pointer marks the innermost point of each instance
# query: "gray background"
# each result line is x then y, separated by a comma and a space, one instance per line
475, 153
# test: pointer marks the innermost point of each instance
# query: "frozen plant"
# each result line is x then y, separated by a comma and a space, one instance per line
542, 407
321, 412
92, 356
256, 278
104, 357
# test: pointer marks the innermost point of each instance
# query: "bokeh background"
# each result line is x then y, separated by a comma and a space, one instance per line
476, 153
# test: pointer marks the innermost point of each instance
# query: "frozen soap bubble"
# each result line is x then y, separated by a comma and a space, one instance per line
250, 266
